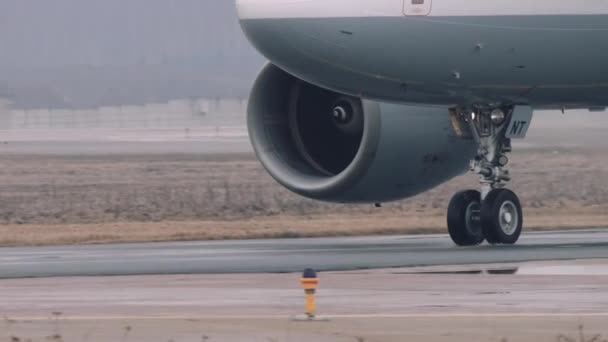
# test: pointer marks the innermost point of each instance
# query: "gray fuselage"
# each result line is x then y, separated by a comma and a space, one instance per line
546, 61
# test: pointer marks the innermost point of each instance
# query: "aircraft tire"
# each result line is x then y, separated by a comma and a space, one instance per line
464, 223
502, 217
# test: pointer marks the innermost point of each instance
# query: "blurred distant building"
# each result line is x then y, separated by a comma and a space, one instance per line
4, 105
184, 113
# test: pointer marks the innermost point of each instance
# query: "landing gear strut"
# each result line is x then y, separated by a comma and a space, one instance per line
494, 213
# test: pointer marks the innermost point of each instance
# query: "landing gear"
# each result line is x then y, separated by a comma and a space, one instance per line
494, 214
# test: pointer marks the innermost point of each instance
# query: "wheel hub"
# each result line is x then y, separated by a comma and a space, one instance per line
508, 217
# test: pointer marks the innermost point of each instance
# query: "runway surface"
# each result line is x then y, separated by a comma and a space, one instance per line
278, 256
390, 305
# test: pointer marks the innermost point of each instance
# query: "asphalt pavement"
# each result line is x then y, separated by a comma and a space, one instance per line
291, 255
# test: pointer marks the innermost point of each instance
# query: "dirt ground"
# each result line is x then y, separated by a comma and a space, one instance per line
516, 328
92, 199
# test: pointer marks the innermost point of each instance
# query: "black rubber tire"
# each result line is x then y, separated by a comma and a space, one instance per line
460, 232
491, 239
490, 217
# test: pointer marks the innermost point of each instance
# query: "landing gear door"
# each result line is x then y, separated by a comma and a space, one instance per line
520, 122
417, 7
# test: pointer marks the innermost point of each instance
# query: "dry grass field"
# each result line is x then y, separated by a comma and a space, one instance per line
77, 199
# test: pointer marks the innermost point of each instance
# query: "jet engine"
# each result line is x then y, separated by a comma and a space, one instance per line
333, 147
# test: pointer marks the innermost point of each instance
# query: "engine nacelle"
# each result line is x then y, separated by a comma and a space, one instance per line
337, 148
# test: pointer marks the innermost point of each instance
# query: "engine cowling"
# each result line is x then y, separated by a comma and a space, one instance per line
332, 147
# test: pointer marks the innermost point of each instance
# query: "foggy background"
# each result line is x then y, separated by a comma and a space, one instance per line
153, 70
91, 53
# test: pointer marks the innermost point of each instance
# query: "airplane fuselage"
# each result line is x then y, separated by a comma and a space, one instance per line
545, 53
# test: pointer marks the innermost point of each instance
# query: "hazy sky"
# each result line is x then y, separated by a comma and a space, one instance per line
88, 52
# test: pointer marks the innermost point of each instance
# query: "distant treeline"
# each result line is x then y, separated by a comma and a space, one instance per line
89, 53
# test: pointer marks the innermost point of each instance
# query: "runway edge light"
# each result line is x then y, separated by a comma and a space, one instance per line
310, 284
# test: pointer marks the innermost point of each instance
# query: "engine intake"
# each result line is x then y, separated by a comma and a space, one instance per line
333, 147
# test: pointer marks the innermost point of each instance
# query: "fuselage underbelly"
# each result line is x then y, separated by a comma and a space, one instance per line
547, 61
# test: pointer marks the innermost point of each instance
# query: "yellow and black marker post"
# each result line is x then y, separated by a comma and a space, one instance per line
310, 284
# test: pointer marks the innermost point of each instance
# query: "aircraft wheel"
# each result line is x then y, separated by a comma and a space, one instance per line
464, 222
502, 217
